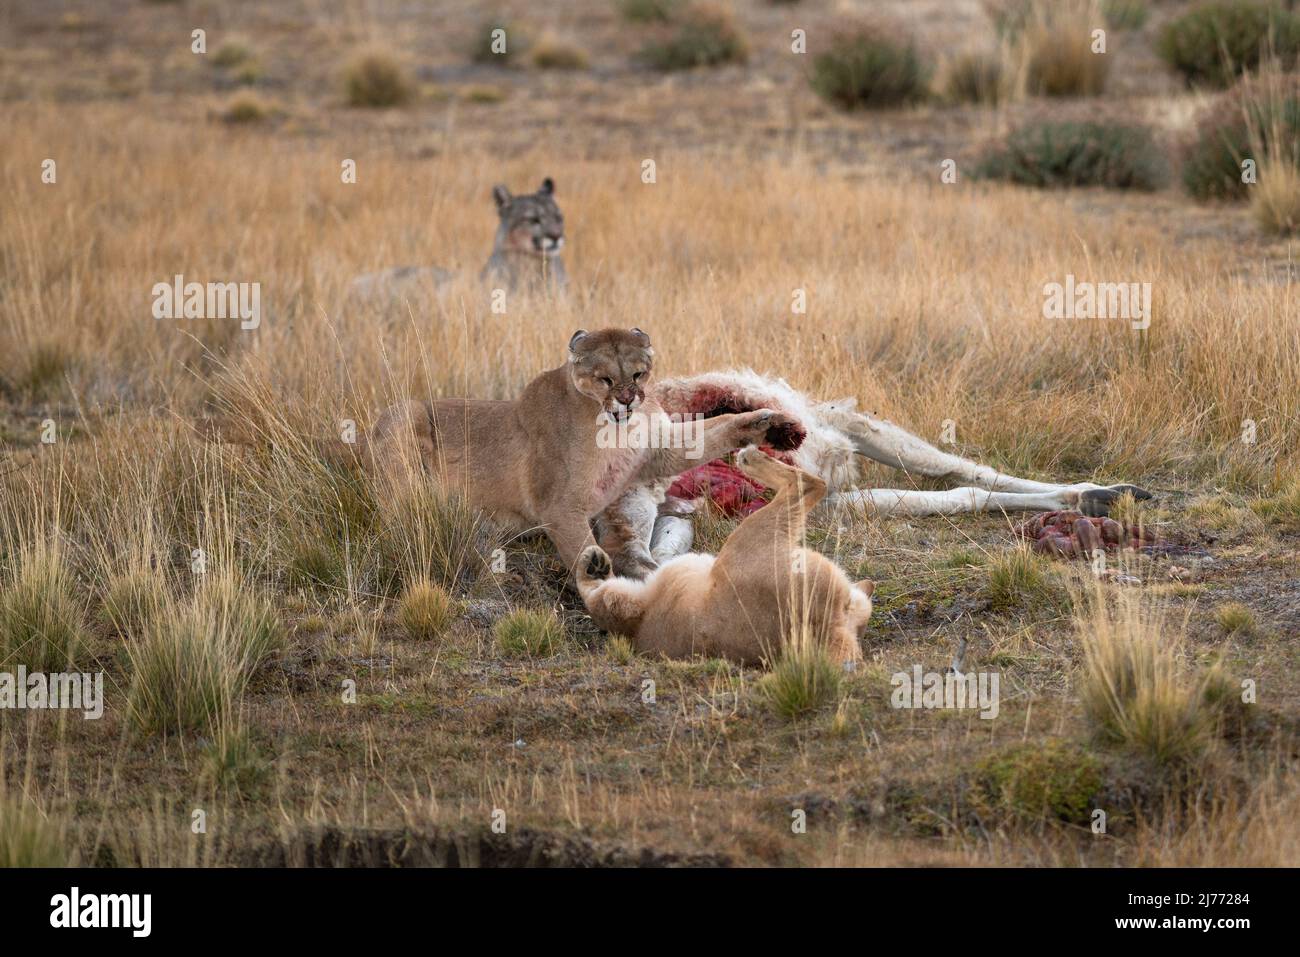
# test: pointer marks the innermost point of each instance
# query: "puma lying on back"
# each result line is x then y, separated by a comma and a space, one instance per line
748, 602
543, 460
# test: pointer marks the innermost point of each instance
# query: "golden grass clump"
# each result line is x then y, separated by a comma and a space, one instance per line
1235, 619
975, 76
1057, 46
42, 616
425, 611
28, 837
190, 668
1137, 688
1275, 199
132, 600
377, 79
553, 52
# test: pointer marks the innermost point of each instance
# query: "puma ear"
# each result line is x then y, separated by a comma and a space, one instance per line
867, 587
641, 337
575, 340
548, 187
500, 194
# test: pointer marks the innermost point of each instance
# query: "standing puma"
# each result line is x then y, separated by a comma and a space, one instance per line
545, 459
749, 602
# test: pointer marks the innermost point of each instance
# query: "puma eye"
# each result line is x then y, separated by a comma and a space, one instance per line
608, 383
638, 377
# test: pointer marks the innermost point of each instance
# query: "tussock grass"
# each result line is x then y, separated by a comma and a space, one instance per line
29, 838
1137, 689
132, 600
552, 52
529, 633
975, 76
1275, 201
1235, 619
246, 107
703, 35
427, 533
377, 79
190, 668
803, 679
232, 762
869, 66
1056, 46
619, 648
425, 611
42, 615
1020, 579
1126, 14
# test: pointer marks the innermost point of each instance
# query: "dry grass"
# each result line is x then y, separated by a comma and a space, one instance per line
1137, 689
925, 302
1057, 49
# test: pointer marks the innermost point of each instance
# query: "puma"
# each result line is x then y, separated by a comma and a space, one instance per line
536, 461
762, 594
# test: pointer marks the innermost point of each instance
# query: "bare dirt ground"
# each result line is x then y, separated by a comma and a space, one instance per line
928, 311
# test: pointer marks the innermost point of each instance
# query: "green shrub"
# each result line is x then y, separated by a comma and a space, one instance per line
1217, 40
1050, 154
705, 35
867, 68
1053, 780
1253, 121
529, 633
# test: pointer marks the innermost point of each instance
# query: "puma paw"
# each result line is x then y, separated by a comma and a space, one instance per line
595, 563
766, 427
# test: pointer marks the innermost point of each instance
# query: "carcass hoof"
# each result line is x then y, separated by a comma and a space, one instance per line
1097, 502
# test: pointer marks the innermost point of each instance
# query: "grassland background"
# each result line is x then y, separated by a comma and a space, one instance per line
924, 303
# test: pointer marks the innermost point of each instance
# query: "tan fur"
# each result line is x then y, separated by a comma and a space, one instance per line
748, 602
526, 251
535, 462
